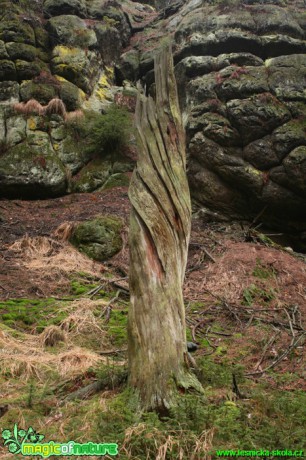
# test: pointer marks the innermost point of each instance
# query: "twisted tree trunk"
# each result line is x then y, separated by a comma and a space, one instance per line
159, 237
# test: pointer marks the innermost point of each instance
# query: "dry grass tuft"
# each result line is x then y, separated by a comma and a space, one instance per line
64, 231
25, 357
30, 107
56, 106
52, 260
185, 445
40, 246
76, 361
26, 369
52, 335
82, 319
76, 115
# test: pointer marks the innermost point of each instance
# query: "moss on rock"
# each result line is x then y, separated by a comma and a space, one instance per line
99, 238
9, 91
92, 176
70, 94
26, 172
42, 92
72, 31
75, 65
21, 51
58, 7
3, 51
116, 180
27, 70
7, 70
12, 29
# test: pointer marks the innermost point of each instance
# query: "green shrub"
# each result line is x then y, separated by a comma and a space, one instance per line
101, 134
110, 132
107, 133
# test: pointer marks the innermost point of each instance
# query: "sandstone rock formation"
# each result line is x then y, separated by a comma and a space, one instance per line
241, 73
241, 69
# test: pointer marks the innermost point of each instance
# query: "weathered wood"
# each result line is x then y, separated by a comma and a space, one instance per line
159, 236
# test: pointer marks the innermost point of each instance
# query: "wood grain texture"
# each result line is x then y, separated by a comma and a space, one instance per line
159, 237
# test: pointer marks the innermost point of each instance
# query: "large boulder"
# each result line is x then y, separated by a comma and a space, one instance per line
25, 172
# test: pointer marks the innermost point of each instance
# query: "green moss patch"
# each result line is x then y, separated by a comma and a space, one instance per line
28, 314
117, 327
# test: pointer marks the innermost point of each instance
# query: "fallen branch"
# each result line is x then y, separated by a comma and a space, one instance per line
108, 309
96, 387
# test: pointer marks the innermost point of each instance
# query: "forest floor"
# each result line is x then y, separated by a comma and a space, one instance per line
63, 327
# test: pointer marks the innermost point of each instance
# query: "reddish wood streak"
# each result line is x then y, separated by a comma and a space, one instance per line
153, 259
172, 132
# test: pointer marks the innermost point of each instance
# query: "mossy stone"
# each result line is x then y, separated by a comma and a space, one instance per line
42, 37
109, 42
70, 95
71, 154
27, 173
75, 65
92, 176
3, 51
27, 70
21, 51
116, 180
9, 91
42, 92
15, 129
128, 67
99, 238
59, 7
12, 29
72, 31
7, 70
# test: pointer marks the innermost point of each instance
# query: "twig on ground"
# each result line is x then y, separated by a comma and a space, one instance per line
108, 309
225, 303
290, 323
291, 347
267, 346
201, 245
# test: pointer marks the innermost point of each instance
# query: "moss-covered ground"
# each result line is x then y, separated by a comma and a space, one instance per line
53, 345
260, 416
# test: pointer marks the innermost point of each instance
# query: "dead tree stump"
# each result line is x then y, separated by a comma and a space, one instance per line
159, 236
